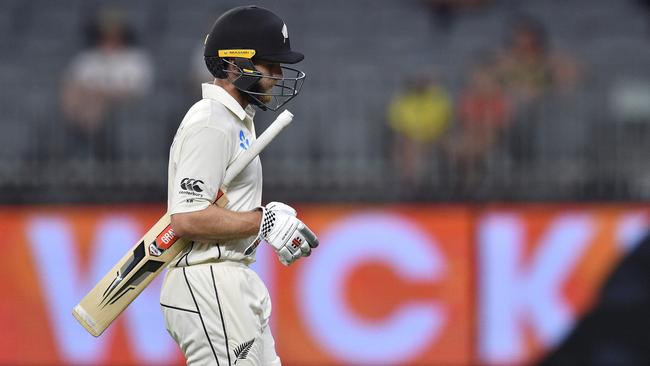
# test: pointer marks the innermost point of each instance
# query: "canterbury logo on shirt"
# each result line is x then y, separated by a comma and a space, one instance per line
191, 185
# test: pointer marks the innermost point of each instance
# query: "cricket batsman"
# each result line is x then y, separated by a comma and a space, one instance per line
215, 307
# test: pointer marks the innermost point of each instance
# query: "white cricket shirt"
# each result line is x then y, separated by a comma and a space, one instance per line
212, 134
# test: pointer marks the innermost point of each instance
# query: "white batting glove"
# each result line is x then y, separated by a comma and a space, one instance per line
289, 236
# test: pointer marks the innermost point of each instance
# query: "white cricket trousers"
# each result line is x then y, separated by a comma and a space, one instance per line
218, 314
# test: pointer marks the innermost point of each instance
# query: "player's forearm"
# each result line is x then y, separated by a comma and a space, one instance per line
216, 223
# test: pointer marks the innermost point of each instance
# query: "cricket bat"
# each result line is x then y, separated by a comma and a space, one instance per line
131, 275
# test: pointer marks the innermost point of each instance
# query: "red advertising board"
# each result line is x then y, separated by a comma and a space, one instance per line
390, 284
406, 296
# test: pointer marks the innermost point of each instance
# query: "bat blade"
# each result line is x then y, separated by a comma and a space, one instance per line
157, 248
129, 277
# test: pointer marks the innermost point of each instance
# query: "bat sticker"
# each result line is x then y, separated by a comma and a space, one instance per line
117, 289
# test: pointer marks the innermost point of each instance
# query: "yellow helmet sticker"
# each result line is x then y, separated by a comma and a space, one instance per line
237, 53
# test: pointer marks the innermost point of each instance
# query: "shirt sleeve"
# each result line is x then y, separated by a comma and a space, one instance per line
203, 158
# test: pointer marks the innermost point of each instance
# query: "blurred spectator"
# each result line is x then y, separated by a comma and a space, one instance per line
528, 66
530, 71
483, 114
112, 72
629, 100
419, 118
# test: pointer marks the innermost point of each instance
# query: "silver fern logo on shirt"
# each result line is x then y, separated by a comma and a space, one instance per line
241, 351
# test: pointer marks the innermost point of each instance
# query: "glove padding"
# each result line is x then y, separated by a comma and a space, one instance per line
289, 236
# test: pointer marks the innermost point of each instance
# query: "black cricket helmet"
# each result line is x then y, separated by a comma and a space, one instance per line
248, 34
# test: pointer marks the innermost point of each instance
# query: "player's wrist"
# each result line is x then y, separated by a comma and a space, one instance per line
258, 212
254, 219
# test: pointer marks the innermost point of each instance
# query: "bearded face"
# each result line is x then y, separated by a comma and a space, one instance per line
265, 85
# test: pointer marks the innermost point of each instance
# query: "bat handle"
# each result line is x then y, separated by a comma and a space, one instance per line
256, 148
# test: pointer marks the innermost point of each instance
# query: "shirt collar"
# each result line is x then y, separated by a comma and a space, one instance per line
215, 92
